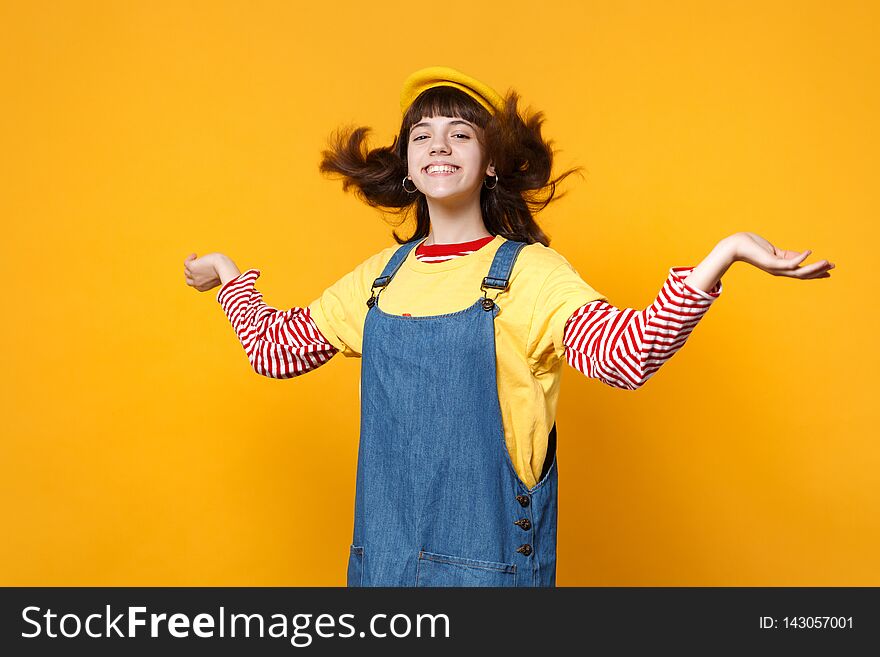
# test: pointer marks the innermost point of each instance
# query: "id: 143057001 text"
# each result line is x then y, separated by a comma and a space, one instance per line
806, 623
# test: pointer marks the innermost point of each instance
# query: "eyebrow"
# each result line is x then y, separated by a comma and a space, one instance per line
428, 125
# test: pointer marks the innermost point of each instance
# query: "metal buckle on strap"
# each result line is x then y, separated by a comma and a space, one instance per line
380, 282
372, 300
495, 283
489, 302
373, 296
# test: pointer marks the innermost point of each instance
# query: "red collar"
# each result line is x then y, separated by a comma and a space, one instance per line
453, 249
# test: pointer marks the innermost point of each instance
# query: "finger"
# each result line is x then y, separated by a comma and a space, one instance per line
803, 256
793, 261
788, 255
809, 271
813, 269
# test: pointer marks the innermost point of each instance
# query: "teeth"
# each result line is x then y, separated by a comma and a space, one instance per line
440, 169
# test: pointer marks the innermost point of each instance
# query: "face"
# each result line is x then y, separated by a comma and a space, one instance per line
453, 141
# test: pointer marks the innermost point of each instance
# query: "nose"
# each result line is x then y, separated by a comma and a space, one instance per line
438, 144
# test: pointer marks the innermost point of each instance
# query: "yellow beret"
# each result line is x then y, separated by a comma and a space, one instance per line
443, 76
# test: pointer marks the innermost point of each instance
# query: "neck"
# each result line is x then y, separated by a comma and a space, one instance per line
453, 223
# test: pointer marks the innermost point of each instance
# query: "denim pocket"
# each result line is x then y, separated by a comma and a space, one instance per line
445, 570
356, 566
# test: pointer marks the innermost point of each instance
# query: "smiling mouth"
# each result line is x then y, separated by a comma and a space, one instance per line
441, 173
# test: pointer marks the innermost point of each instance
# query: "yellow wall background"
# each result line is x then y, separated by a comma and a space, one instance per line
138, 446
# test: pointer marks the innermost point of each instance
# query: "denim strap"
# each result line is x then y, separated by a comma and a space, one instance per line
395, 263
502, 265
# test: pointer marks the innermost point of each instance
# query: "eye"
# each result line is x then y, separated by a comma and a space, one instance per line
458, 134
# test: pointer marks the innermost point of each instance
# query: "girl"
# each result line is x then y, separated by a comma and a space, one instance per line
463, 328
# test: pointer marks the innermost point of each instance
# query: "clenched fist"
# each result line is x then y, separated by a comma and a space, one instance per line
209, 271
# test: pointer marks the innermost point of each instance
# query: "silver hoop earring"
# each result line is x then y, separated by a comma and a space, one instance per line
405, 178
493, 186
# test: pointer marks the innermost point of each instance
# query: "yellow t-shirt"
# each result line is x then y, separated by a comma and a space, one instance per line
543, 293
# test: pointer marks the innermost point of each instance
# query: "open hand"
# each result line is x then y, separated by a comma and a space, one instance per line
755, 250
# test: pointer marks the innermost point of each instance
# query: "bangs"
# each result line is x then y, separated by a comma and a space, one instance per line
445, 101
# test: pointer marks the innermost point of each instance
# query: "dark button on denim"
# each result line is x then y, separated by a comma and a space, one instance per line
523, 500
525, 523
525, 549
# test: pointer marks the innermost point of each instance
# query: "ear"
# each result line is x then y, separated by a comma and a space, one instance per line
490, 170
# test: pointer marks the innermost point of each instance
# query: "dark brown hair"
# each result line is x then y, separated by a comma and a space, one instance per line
522, 160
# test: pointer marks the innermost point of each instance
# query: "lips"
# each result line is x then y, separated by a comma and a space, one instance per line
441, 173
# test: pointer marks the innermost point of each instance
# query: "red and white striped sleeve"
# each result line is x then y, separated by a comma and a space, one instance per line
623, 348
279, 344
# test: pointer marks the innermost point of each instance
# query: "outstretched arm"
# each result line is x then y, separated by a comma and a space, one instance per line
758, 252
624, 348
279, 344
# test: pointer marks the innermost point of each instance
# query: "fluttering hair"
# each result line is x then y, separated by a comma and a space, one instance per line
514, 145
